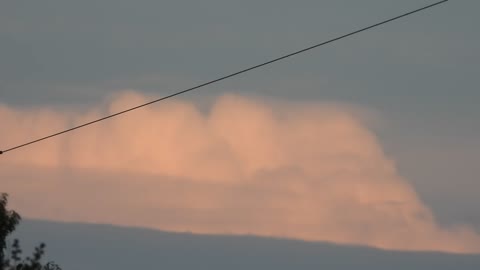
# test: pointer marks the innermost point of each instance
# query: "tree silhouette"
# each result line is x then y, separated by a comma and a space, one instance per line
9, 219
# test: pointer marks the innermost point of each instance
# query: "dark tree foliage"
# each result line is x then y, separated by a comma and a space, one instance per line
9, 219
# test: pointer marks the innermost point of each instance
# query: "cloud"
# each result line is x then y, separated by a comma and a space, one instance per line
244, 166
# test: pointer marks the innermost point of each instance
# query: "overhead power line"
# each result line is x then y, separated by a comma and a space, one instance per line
224, 77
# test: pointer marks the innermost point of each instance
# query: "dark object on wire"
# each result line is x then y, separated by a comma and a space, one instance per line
224, 77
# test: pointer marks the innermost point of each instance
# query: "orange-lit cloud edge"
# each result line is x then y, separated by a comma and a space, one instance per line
246, 166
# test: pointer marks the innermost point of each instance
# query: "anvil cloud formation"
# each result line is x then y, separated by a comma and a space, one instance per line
244, 166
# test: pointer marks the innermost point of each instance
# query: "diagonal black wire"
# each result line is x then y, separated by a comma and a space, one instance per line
224, 77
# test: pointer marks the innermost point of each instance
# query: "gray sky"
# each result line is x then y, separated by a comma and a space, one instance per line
95, 246
420, 74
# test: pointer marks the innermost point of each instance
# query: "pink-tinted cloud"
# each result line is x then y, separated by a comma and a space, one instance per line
246, 166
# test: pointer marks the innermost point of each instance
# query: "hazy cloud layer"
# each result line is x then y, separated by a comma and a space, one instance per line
246, 166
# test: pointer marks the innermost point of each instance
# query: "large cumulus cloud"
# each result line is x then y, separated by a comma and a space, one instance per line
244, 166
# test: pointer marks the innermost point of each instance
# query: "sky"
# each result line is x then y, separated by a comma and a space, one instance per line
372, 140
112, 247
